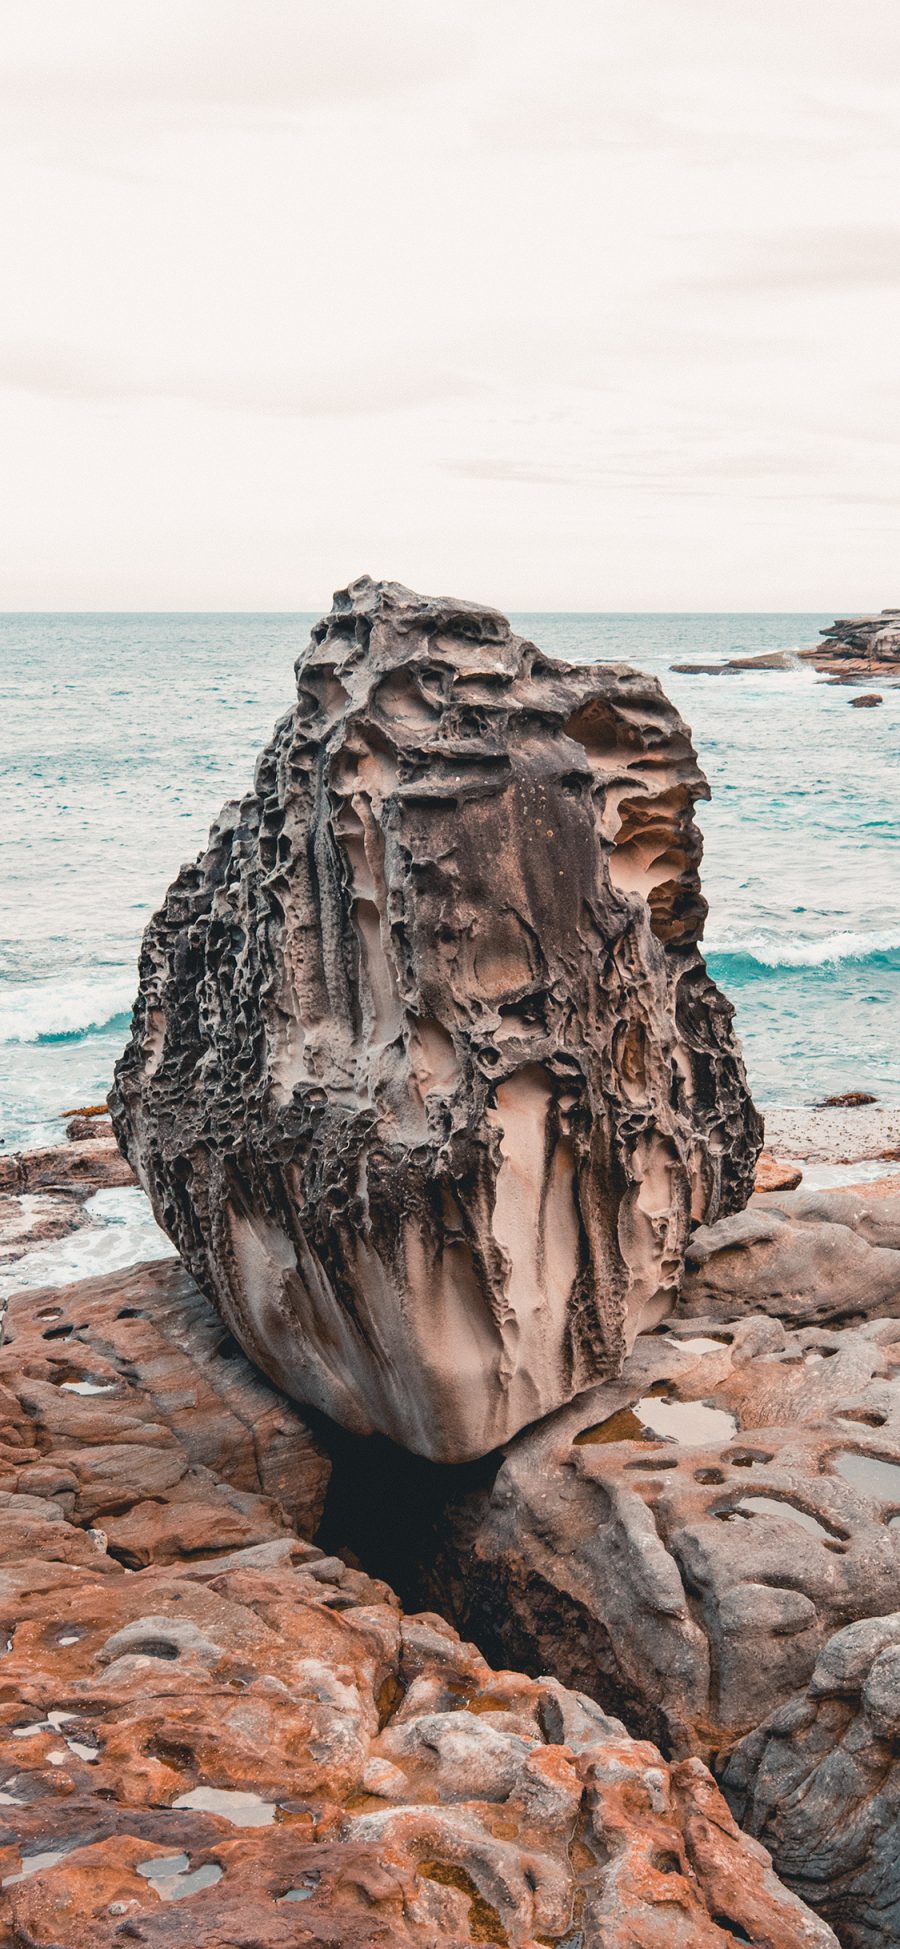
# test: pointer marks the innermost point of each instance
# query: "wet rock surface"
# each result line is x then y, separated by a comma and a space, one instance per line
427, 1076
804, 1256
43, 1192
244, 1741
819, 1783
682, 1542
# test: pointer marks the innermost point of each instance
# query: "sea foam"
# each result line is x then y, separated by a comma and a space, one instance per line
56, 1011
796, 951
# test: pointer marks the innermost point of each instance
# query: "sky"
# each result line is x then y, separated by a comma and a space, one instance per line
555, 304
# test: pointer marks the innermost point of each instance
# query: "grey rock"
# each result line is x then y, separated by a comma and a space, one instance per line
805, 1256
819, 1784
681, 1543
427, 1079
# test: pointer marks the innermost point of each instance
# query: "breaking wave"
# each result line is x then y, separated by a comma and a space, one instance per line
762, 950
55, 1011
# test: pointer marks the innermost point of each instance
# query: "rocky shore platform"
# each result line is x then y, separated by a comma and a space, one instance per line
235, 1707
853, 651
213, 1732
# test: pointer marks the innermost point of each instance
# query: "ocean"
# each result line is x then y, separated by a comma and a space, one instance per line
122, 735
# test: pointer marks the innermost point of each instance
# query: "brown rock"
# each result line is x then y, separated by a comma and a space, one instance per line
259, 1748
848, 1100
35, 1219
860, 646
774, 1175
130, 1389
88, 1127
770, 660
83, 1167
866, 701
427, 1077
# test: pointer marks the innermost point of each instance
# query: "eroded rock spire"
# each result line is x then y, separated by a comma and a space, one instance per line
427, 1078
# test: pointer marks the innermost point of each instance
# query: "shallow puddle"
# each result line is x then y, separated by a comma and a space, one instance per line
242, 1809
297, 1895
89, 1387
699, 1345
870, 1474
779, 1506
32, 1864
172, 1877
660, 1416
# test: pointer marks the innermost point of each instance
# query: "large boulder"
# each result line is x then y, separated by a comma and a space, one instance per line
427, 1078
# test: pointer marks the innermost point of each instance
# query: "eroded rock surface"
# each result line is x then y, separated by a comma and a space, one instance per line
802, 1255
427, 1076
683, 1541
819, 1782
125, 1401
245, 1741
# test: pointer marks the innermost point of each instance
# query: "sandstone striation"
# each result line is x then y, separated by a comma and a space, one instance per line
682, 1542
819, 1782
427, 1079
222, 1736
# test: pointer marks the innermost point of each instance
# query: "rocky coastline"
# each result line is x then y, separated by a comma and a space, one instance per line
852, 652
487, 1529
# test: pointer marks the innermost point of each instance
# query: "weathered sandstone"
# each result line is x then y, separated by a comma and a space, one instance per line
772, 1174
427, 1077
681, 1542
730, 667
126, 1400
805, 1256
819, 1782
245, 1742
80, 1168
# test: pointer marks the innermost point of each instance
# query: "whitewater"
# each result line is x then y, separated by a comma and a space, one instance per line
123, 735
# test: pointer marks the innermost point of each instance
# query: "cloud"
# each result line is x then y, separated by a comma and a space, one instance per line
831, 258
202, 54
764, 477
87, 376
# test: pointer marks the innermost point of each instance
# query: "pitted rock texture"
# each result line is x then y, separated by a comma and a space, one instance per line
802, 1255
125, 1401
683, 1541
427, 1077
819, 1783
245, 1742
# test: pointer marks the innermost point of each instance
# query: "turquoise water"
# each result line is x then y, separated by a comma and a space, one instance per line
123, 735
